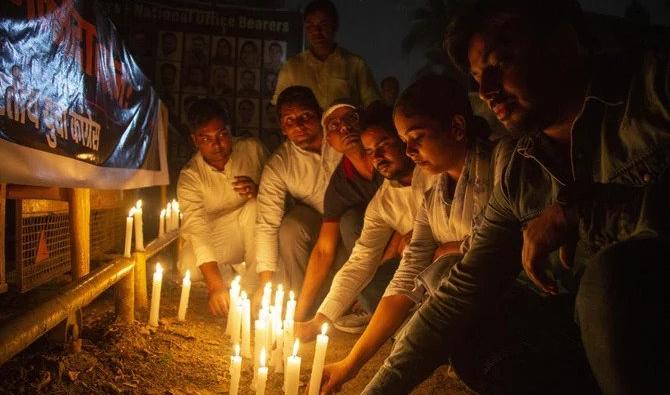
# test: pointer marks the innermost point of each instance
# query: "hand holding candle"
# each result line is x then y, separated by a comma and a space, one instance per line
319, 358
185, 292
156, 295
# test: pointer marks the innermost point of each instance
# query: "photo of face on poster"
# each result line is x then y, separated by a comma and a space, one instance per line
221, 80
246, 115
223, 51
274, 55
167, 79
195, 79
226, 104
249, 53
169, 45
196, 50
171, 102
270, 120
271, 138
247, 82
186, 101
141, 44
269, 83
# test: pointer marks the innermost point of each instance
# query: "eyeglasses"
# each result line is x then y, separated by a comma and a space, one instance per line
293, 120
220, 134
349, 119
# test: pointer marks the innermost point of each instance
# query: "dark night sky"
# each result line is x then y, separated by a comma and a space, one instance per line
375, 29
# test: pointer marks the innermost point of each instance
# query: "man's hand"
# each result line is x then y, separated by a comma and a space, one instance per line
307, 331
218, 301
555, 228
335, 375
450, 247
245, 186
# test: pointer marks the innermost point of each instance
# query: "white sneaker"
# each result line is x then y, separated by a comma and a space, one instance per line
353, 323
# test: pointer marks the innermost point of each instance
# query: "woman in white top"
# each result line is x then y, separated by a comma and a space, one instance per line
434, 118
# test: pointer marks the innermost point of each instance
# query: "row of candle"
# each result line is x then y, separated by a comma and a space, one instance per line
156, 296
169, 218
270, 331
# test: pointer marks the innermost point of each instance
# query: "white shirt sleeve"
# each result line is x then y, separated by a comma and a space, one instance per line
195, 226
270, 211
357, 272
418, 255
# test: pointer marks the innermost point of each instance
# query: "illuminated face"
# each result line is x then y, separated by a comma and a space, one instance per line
301, 125
343, 131
214, 142
502, 72
433, 147
320, 29
385, 150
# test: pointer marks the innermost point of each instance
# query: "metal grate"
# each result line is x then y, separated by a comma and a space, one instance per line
35, 267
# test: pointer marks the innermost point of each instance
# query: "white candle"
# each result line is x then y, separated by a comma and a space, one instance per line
139, 232
259, 341
246, 326
161, 224
319, 358
290, 306
262, 376
236, 321
288, 338
267, 295
292, 376
235, 370
168, 217
129, 233
279, 301
278, 352
175, 214
185, 292
156, 295
233, 293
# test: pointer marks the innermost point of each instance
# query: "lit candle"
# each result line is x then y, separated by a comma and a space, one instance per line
279, 300
288, 338
156, 295
235, 369
139, 232
267, 295
278, 352
262, 376
259, 341
292, 376
175, 214
290, 306
168, 217
233, 293
319, 358
185, 291
236, 321
246, 326
129, 233
161, 224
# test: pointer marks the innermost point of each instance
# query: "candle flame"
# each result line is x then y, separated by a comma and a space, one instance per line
237, 350
138, 205
280, 287
187, 276
163, 213
324, 328
268, 285
291, 295
295, 347
131, 212
159, 268
262, 357
169, 207
244, 295
237, 279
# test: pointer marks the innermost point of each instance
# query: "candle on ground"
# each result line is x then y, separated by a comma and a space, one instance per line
156, 295
287, 338
290, 306
129, 233
260, 334
279, 300
319, 358
175, 214
278, 352
236, 321
185, 292
246, 326
235, 370
262, 376
292, 376
139, 232
161, 224
233, 294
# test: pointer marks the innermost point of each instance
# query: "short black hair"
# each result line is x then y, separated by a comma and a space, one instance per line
390, 79
379, 117
298, 95
502, 19
325, 6
202, 111
437, 97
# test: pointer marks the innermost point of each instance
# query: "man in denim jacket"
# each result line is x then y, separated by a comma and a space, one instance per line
591, 167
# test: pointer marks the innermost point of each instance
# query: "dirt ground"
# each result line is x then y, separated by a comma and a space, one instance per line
175, 358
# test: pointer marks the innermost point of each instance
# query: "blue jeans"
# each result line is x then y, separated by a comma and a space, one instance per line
531, 343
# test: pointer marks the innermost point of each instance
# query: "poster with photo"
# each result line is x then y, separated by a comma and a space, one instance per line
274, 55
167, 77
186, 101
248, 83
169, 45
226, 103
196, 50
221, 80
269, 83
171, 101
223, 51
249, 54
246, 113
269, 120
271, 138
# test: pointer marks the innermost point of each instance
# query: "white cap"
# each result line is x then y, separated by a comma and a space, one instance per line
332, 109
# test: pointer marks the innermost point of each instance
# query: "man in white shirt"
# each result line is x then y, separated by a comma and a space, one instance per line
300, 169
392, 209
330, 71
217, 193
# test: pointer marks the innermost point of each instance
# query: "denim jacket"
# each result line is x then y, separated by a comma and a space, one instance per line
620, 154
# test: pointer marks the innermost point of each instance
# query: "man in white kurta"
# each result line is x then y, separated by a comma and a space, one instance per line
216, 192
